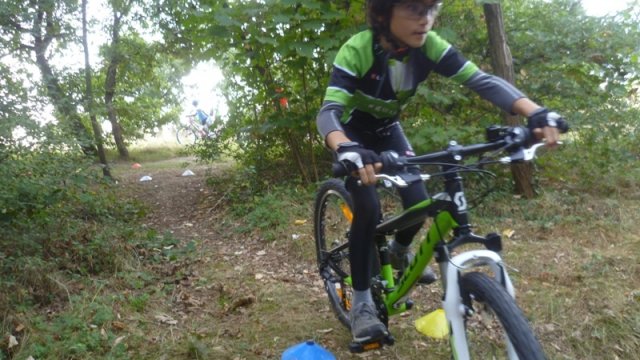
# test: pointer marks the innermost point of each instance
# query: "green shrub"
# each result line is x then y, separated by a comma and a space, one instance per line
57, 214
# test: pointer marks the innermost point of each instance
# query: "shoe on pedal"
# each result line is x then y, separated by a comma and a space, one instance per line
402, 261
365, 325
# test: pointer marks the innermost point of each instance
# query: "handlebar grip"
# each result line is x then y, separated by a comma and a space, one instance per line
562, 125
341, 168
391, 162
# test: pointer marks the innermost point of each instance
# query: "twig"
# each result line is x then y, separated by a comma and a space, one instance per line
62, 286
218, 202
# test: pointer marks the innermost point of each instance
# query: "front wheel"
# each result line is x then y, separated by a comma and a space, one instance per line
185, 135
332, 221
492, 317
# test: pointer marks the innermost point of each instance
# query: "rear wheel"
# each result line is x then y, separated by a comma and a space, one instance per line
332, 221
185, 135
495, 316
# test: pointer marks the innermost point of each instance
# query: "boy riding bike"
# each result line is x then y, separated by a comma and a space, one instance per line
204, 119
375, 73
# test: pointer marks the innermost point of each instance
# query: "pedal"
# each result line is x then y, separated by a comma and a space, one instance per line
360, 347
409, 304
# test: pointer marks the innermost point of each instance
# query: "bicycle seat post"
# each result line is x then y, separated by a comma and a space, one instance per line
385, 261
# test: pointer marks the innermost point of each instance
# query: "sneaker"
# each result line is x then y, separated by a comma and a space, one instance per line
400, 262
365, 325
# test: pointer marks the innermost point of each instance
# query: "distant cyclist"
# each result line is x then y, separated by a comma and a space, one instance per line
202, 116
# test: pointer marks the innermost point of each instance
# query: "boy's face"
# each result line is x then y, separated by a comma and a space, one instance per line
411, 20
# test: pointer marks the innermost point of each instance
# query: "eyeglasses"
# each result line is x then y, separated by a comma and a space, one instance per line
417, 9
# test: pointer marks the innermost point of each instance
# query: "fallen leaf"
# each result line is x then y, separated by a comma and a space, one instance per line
300, 222
118, 340
119, 325
12, 342
508, 233
165, 319
242, 302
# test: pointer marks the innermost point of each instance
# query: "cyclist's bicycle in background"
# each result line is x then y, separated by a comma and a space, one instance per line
482, 317
192, 131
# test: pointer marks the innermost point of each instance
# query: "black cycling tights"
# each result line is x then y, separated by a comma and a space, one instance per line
366, 211
366, 215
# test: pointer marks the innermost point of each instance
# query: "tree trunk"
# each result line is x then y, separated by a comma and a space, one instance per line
502, 64
97, 130
294, 146
311, 129
110, 88
64, 105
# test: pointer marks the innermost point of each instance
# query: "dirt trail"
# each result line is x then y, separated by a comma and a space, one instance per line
173, 200
238, 296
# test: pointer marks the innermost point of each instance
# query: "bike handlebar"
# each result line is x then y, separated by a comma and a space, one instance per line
518, 141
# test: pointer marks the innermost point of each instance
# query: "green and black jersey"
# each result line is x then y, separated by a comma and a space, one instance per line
372, 86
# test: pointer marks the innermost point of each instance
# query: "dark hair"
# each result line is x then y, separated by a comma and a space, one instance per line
379, 15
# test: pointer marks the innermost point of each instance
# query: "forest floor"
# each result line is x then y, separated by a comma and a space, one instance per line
234, 296
228, 293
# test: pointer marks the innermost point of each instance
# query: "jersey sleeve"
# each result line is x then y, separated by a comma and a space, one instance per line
328, 119
495, 89
449, 61
351, 63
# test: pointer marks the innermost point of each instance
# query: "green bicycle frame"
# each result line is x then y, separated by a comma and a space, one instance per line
442, 225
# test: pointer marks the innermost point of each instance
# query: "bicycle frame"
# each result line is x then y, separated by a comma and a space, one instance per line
449, 210
195, 126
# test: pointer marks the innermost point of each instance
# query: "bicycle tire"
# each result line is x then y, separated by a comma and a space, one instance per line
185, 135
478, 288
332, 220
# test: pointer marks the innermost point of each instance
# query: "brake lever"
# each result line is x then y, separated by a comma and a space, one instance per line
530, 153
522, 155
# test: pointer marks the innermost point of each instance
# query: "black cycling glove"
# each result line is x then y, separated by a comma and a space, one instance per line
543, 117
356, 154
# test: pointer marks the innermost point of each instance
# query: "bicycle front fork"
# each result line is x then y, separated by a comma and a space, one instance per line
454, 310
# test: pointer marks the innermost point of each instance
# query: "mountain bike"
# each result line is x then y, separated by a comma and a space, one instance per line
483, 318
192, 131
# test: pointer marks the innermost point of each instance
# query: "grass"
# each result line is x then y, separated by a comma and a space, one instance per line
574, 264
253, 290
577, 262
157, 151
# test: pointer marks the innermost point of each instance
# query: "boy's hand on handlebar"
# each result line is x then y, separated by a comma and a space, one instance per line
551, 135
547, 125
367, 161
